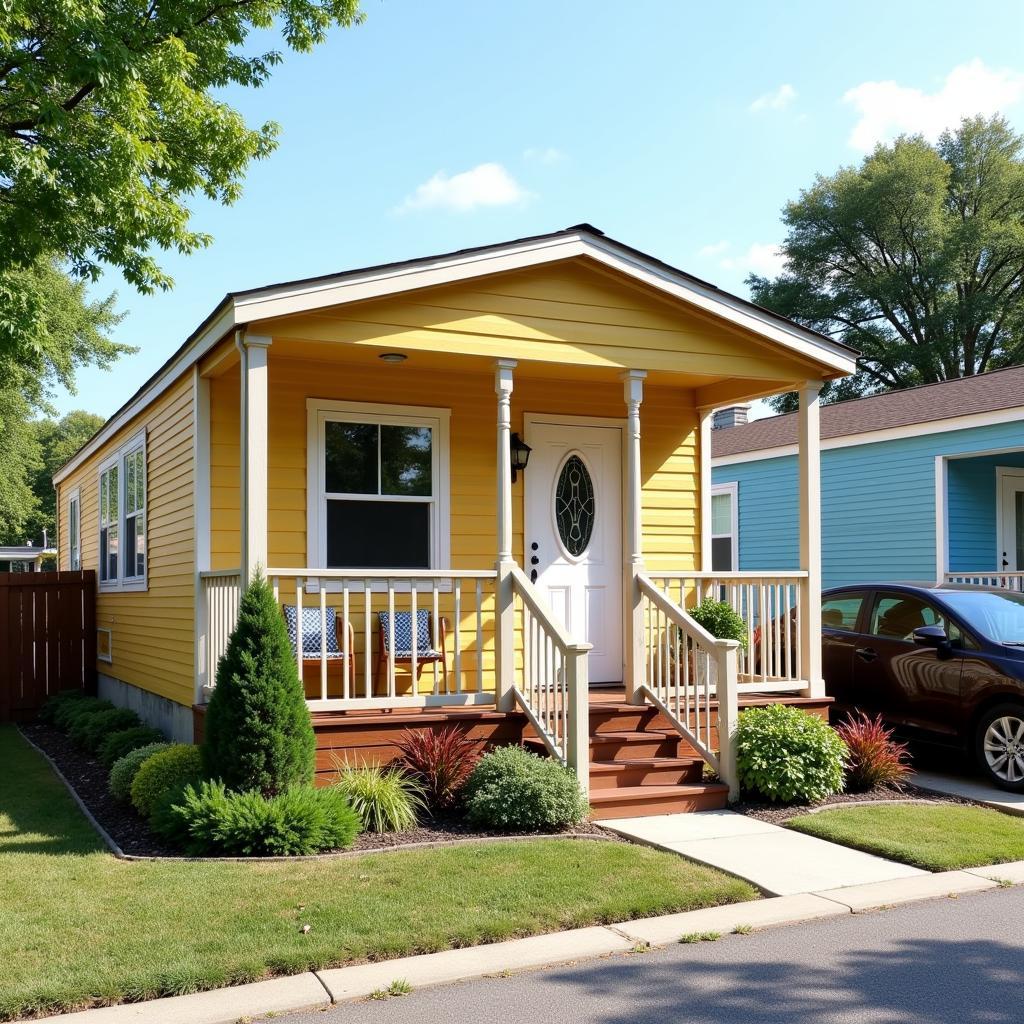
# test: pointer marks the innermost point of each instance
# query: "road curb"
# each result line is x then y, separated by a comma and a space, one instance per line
346, 984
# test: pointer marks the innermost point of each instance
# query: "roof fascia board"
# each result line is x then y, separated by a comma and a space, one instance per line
205, 340
981, 419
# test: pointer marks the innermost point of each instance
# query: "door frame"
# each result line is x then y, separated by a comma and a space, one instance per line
532, 419
1004, 473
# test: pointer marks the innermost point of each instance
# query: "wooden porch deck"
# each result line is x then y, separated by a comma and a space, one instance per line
639, 764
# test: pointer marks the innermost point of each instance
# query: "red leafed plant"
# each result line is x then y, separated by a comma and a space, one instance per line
441, 762
875, 758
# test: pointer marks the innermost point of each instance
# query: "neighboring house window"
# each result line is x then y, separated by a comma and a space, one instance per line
724, 528
74, 532
123, 517
378, 487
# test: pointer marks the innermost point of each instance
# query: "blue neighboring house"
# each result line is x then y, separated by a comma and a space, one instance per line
924, 484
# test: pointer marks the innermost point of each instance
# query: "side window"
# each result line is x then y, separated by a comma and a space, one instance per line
841, 611
896, 616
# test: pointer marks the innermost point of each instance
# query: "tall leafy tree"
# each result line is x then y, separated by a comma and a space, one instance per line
916, 258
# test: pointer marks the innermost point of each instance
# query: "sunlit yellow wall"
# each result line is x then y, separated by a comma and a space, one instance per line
152, 632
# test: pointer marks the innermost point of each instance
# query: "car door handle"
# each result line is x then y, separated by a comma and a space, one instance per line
866, 653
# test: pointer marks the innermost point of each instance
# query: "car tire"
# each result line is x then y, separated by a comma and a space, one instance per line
999, 746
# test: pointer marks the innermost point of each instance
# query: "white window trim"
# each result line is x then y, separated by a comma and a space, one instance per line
75, 502
321, 410
733, 490
131, 584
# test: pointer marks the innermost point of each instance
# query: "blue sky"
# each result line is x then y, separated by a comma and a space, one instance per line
679, 128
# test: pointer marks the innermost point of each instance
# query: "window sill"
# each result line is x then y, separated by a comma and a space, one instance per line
124, 587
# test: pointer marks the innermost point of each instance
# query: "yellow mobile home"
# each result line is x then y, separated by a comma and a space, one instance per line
484, 477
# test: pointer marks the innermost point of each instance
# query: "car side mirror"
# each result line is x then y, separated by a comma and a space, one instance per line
930, 636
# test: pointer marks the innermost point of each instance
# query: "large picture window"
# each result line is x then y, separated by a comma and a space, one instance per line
378, 486
122, 518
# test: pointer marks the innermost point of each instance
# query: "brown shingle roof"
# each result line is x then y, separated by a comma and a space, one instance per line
986, 392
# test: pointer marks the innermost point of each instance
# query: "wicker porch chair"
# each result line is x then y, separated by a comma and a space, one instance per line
429, 650
311, 638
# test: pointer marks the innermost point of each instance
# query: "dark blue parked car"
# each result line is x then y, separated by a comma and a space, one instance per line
939, 663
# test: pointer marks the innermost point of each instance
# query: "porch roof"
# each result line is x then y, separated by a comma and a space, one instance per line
822, 355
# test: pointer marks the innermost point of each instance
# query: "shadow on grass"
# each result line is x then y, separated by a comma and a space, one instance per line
37, 814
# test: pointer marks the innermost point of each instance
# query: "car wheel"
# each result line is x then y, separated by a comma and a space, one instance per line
999, 746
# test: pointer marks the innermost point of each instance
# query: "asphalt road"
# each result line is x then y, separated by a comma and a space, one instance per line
950, 961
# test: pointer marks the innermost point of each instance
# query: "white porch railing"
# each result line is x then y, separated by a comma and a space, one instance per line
553, 689
219, 594
1004, 580
771, 606
685, 666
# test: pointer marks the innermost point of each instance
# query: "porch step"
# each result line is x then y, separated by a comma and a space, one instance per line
638, 801
645, 771
627, 745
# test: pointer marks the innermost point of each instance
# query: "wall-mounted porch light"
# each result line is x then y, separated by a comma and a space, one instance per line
520, 455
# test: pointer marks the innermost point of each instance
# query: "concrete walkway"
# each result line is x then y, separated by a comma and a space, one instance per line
777, 860
971, 789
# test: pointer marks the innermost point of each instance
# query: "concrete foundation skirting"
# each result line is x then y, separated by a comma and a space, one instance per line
173, 720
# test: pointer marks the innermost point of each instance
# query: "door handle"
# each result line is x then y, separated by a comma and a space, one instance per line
866, 653
1005, 562
533, 575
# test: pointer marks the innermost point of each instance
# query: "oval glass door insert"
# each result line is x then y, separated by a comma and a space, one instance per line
574, 506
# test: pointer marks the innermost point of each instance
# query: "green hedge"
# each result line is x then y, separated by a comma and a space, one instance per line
116, 744
124, 770
168, 771
89, 731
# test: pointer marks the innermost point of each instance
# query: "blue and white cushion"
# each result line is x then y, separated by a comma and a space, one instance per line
403, 634
311, 631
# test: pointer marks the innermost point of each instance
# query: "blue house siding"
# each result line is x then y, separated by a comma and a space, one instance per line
971, 503
878, 506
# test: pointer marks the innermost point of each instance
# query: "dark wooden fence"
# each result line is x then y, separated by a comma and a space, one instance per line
47, 638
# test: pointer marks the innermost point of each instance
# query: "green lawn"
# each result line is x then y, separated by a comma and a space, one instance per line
937, 837
79, 927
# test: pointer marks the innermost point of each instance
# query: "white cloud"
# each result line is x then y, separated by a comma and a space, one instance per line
887, 109
715, 249
544, 155
778, 99
760, 258
484, 185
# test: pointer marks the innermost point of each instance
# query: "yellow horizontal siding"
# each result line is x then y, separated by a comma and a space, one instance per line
152, 632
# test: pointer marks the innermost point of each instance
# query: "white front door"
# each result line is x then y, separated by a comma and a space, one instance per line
573, 534
1011, 508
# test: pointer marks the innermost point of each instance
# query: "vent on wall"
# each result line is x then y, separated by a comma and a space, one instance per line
104, 644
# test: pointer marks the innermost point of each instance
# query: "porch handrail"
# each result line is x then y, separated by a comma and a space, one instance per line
1004, 580
772, 606
218, 594
554, 692
685, 665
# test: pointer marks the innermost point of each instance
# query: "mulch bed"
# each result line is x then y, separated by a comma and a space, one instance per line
778, 814
132, 834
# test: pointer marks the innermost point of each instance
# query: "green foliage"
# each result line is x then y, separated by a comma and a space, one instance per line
916, 258
48, 712
786, 755
48, 330
68, 713
117, 744
125, 768
512, 790
258, 734
300, 821
179, 765
89, 731
721, 620
386, 799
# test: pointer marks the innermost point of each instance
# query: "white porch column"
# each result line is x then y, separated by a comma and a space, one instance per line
505, 647
810, 537
253, 462
632, 517
704, 497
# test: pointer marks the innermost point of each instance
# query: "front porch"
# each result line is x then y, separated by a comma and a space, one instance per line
371, 460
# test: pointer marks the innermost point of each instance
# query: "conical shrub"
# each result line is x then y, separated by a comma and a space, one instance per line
258, 734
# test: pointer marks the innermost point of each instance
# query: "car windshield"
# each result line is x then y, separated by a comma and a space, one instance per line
1000, 617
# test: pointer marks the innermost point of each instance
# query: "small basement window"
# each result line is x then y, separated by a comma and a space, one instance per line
378, 487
